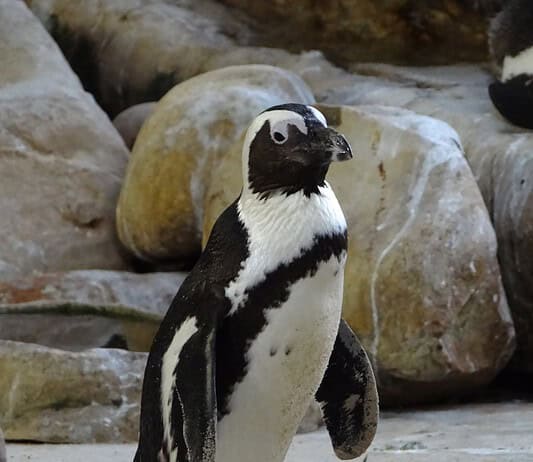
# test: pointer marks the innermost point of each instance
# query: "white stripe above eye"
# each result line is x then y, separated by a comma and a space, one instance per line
320, 117
522, 63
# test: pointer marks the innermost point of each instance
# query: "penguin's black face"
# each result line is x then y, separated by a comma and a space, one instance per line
290, 148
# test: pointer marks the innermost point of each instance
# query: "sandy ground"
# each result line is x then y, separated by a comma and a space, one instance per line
500, 432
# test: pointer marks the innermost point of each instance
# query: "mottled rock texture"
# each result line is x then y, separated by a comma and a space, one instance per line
131, 51
160, 211
422, 286
55, 396
61, 160
441, 31
87, 309
499, 155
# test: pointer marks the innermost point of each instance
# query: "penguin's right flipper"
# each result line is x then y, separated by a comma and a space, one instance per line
195, 399
348, 396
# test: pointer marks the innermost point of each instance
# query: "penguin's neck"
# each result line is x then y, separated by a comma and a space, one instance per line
286, 225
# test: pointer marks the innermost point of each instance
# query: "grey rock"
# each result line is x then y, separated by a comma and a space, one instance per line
61, 160
51, 395
86, 309
129, 122
131, 51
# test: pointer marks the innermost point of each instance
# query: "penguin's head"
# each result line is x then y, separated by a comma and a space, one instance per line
288, 148
511, 46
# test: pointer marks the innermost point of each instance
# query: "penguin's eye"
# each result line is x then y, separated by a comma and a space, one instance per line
279, 137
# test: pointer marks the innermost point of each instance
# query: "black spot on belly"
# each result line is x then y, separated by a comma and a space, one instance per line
273, 351
238, 331
288, 350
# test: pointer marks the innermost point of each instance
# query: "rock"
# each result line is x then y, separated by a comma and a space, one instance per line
56, 396
422, 284
499, 156
312, 420
131, 51
129, 122
87, 309
160, 210
2, 447
441, 31
61, 161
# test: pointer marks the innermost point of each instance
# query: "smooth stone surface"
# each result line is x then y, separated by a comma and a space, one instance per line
54, 396
61, 160
473, 433
129, 122
87, 309
500, 156
422, 284
160, 211
131, 51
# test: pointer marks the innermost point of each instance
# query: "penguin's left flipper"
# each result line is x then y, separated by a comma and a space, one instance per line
348, 396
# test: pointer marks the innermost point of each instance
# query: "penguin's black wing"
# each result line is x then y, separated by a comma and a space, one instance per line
179, 406
348, 396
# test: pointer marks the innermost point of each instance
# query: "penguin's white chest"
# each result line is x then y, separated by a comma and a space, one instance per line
286, 363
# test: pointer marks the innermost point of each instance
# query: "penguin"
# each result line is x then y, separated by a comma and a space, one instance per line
511, 45
255, 333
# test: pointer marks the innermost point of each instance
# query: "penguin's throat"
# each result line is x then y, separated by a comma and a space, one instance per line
307, 180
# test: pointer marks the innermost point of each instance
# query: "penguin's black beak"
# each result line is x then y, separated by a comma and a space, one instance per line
332, 145
514, 99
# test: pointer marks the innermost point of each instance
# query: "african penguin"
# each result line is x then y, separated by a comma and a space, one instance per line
511, 45
255, 331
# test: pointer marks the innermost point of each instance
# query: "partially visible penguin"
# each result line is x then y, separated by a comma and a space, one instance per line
255, 331
511, 45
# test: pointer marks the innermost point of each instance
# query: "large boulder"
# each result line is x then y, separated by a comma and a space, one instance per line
501, 158
54, 396
131, 51
61, 160
78, 310
441, 31
160, 210
422, 283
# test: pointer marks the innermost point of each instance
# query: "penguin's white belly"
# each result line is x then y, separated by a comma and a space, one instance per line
286, 363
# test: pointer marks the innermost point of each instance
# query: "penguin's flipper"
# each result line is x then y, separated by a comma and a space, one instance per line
193, 413
348, 396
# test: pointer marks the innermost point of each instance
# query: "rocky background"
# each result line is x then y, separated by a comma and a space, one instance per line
101, 220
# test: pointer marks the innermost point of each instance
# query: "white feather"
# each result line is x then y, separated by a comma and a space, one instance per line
522, 63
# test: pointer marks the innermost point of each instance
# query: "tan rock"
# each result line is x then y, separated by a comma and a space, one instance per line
131, 51
129, 122
61, 161
87, 309
422, 285
159, 215
499, 155
53, 396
